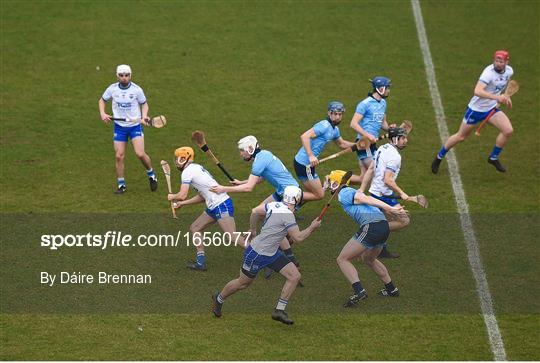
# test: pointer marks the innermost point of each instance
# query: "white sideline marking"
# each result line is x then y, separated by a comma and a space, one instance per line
486, 303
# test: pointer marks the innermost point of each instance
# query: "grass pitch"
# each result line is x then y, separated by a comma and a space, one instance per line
268, 69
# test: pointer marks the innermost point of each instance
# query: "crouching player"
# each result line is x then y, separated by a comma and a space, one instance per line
368, 242
263, 251
219, 207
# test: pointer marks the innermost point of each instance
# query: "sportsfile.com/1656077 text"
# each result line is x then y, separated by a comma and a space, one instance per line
121, 239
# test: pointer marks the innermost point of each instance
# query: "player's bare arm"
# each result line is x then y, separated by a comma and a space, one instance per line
298, 235
391, 183
343, 144
242, 188
480, 91
355, 125
181, 195
257, 214
361, 198
144, 111
104, 115
194, 200
306, 143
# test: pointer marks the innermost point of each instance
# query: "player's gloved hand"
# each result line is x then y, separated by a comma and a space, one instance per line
146, 120
313, 161
316, 223
170, 197
397, 211
404, 196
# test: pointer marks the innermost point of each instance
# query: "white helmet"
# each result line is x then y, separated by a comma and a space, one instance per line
123, 69
292, 195
246, 142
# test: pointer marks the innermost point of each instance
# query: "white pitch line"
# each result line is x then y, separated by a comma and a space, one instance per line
473, 252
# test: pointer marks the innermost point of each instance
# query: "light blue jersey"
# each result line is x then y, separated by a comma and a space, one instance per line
325, 132
269, 167
373, 115
361, 213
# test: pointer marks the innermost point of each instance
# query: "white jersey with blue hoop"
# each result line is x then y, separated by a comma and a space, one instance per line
386, 157
325, 132
495, 83
269, 167
126, 102
373, 112
201, 180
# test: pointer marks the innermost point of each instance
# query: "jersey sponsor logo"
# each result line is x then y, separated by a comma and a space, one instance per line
126, 105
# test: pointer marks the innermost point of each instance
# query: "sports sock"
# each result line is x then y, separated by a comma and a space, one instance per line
281, 304
201, 259
357, 287
442, 153
121, 181
220, 299
389, 286
150, 173
495, 152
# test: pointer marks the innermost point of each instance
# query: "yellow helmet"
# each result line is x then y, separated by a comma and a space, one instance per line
335, 178
184, 154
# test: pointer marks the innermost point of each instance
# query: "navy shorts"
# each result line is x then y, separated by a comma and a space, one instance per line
225, 209
253, 262
305, 172
390, 200
373, 235
473, 117
364, 154
123, 134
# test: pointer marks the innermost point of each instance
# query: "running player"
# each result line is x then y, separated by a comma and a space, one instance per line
219, 207
384, 172
367, 243
129, 102
266, 166
264, 252
487, 97
367, 121
314, 141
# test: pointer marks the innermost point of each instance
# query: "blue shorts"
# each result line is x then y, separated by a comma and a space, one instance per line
390, 200
364, 154
253, 262
225, 209
123, 134
373, 235
305, 172
473, 117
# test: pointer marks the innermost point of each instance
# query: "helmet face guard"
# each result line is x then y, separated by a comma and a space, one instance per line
182, 156
380, 85
247, 143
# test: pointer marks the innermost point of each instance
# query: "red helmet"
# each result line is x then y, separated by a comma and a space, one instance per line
502, 54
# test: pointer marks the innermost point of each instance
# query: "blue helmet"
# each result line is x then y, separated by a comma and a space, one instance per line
381, 81
336, 106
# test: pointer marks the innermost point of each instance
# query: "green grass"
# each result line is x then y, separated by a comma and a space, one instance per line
264, 68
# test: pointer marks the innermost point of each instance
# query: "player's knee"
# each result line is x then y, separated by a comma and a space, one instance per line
508, 131
140, 154
340, 259
120, 157
295, 276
